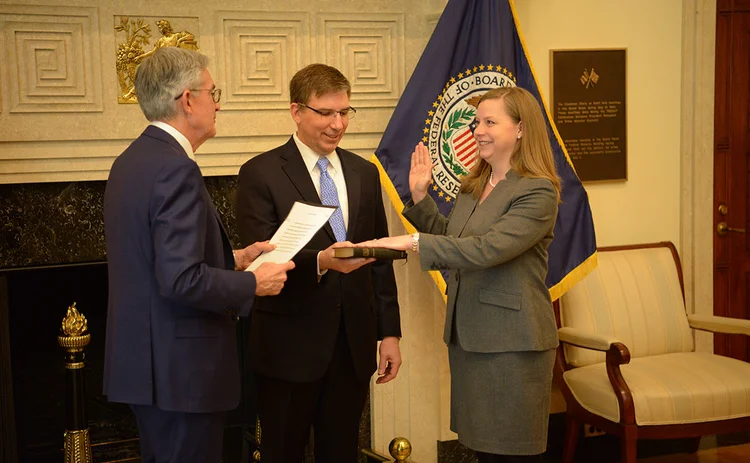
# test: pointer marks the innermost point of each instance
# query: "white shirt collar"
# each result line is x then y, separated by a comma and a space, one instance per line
311, 158
177, 135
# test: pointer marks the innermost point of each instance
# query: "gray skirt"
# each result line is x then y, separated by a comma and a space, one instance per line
500, 401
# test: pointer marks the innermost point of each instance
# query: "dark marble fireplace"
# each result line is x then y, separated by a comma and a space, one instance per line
52, 254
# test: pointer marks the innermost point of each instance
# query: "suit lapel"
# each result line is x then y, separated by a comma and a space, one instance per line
296, 170
495, 200
463, 211
353, 189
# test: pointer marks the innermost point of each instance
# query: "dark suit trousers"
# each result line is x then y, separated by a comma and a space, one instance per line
172, 437
332, 405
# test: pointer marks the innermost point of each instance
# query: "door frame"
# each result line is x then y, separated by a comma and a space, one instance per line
697, 160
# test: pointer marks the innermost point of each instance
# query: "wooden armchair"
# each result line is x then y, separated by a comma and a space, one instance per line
627, 363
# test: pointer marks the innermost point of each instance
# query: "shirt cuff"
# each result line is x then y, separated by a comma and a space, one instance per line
317, 266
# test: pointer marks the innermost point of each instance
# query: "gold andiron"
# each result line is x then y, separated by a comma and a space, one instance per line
256, 453
73, 339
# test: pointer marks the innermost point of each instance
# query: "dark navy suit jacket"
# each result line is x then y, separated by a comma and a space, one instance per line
173, 294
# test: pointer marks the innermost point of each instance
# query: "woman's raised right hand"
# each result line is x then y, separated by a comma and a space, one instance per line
420, 174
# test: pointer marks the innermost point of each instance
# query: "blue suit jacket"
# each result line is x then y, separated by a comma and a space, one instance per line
173, 294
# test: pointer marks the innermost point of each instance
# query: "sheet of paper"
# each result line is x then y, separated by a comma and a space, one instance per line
302, 223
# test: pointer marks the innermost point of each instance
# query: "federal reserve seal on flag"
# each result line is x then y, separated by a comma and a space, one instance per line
439, 106
449, 127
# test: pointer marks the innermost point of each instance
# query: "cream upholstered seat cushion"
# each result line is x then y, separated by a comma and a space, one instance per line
633, 295
686, 387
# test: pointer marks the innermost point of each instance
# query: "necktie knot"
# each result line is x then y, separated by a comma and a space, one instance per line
322, 164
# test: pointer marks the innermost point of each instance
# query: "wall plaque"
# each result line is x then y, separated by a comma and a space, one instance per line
589, 109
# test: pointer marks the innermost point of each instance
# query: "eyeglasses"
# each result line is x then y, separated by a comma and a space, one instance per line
214, 92
347, 113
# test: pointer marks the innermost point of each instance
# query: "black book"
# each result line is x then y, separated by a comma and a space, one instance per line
378, 253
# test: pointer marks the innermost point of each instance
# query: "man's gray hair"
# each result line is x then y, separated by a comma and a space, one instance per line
165, 74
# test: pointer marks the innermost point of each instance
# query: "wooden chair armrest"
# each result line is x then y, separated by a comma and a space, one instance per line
586, 340
617, 354
716, 324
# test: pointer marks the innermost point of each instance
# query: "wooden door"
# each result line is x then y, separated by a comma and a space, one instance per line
731, 167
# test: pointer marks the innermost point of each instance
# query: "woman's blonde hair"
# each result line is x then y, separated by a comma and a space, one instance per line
532, 155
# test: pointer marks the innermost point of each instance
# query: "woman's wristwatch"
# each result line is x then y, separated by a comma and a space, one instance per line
415, 242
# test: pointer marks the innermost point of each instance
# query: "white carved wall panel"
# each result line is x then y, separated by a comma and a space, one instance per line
57, 60
51, 58
257, 55
368, 48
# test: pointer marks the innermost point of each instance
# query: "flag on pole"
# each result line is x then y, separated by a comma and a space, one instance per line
476, 46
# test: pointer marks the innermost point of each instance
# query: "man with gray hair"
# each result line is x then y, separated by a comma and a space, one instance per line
174, 294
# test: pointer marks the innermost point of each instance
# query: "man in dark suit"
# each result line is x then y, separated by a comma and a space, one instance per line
313, 347
174, 294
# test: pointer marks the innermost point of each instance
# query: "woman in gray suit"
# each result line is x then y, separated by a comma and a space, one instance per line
500, 326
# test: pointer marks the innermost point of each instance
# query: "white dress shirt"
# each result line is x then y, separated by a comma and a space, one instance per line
334, 170
177, 135
337, 174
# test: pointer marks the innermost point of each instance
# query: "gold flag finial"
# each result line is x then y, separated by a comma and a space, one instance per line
74, 323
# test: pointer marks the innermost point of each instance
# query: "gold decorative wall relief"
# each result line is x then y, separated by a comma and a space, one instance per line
134, 44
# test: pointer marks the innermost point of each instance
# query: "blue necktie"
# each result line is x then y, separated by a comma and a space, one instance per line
330, 197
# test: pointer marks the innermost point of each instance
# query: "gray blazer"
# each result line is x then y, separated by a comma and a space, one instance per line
497, 255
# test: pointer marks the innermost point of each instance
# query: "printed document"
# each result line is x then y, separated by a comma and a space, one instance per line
302, 223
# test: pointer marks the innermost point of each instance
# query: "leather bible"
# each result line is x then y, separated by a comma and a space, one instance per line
378, 253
